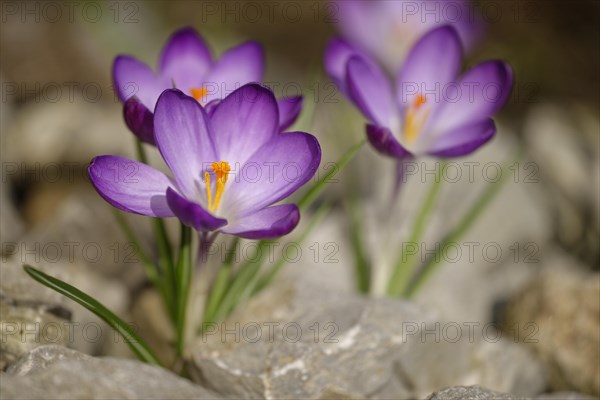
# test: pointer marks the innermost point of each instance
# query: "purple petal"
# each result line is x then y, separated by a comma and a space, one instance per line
273, 173
370, 90
268, 223
182, 136
134, 78
463, 140
433, 62
364, 23
289, 110
478, 95
211, 107
185, 59
192, 214
130, 185
236, 67
243, 122
139, 120
382, 139
337, 55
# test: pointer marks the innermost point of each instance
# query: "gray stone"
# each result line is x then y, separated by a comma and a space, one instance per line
43, 357
564, 396
24, 328
31, 305
68, 130
558, 316
305, 341
53, 372
11, 225
470, 393
30, 314
563, 142
84, 230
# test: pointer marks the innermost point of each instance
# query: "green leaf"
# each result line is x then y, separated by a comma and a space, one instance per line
405, 264
219, 286
138, 346
456, 234
313, 192
362, 263
184, 281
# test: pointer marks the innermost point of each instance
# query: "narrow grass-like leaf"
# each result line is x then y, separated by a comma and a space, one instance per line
362, 263
313, 192
139, 347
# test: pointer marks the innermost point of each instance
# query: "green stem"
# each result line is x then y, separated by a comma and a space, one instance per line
184, 281
406, 262
454, 236
219, 285
139, 347
244, 277
361, 261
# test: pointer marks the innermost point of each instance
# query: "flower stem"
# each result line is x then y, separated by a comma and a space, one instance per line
433, 262
219, 285
406, 262
184, 281
241, 282
361, 260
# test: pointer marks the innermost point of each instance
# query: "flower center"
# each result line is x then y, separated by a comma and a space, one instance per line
416, 116
221, 170
199, 93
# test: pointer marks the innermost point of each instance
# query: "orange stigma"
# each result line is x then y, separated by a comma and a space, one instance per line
199, 93
221, 170
415, 118
420, 100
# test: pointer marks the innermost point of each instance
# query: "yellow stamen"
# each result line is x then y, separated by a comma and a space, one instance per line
208, 189
414, 119
199, 93
221, 170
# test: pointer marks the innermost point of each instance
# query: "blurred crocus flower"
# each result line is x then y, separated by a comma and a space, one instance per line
428, 110
186, 64
228, 168
387, 29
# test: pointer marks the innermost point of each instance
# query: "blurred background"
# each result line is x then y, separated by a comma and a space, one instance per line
58, 111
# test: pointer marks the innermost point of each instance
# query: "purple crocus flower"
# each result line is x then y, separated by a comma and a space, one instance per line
186, 64
388, 29
228, 168
428, 110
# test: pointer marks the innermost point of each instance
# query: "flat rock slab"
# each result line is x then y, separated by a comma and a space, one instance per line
471, 393
55, 372
301, 341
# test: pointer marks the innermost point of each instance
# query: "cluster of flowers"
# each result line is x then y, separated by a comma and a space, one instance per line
200, 133
208, 138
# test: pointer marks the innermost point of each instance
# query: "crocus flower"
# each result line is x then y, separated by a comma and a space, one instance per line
186, 64
428, 110
228, 168
386, 30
